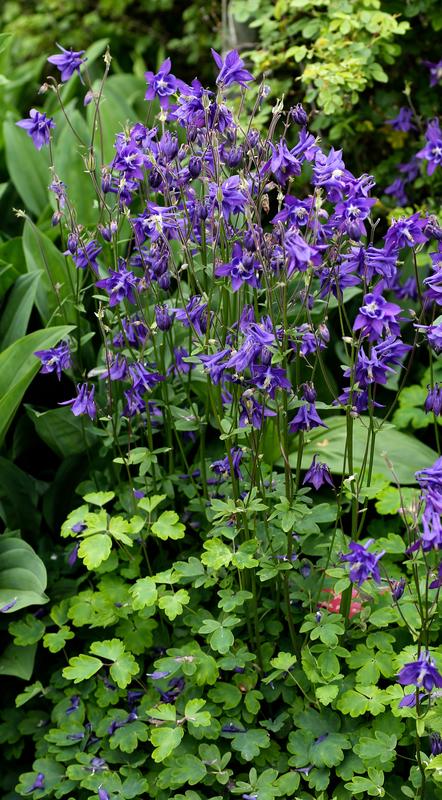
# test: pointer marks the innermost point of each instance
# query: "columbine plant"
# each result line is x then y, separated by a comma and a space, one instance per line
227, 275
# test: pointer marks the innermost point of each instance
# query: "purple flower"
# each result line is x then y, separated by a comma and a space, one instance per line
252, 412
7, 607
222, 467
363, 564
73, 555
68, 62
300, 255
299, 115
397, 588
84, 402
163, 317
433, 400
403, 121
435, 68
230, 196
397, 190
162, 84
376, 316
269, 378
438, 581
433, 334
231, 69
86, 255
329, 171
435, 740
432, 152
318, 474
243, 268
306, 419
350, 215
194, 315
130, 161
406, 232
422, 673
38, 127
215, 365
142, 380
283, 164
74, 704
56, 359
39, 783
119, 285
102, 794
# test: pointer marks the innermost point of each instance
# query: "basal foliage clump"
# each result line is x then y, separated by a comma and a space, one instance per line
248, 605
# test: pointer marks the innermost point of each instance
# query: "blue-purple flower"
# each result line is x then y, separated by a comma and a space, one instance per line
243, 268
317, 474
83, 403
432, 152
403, 121
421, 673
306, 419
68, 62
222, 467
377, 316
435, 68
38, 127
55, 359
231, 69
120, 285
363, 564
161, 85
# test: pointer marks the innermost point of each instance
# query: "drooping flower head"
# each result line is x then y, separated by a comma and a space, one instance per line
83, 403
55, 359
38, 127
432, 152
435, 68
318, 474
68, 62
363, 564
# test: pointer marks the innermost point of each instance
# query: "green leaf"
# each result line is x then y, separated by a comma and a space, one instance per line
183, 769
27, 631
31, 691
22, 575
168, 526
127, 737
81, 668
250, 743
328, 750
56, 641
226, 695
406, 453
55, 286
15, 317
99, 498
173, 603
27, 167
124, 665
144, 593
193, 713
18, 661
19, 365
64, 433
95, 549
217, 554
165, 741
